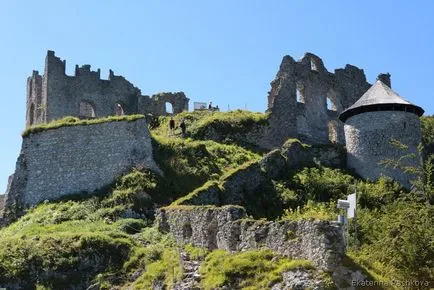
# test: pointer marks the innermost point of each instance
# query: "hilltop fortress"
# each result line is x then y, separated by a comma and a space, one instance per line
305, 102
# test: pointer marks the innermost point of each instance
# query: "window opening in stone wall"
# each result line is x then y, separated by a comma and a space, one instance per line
187, 231
32, 114
300, 94
313, 64
169, 108
87, 110
405, 125
333, 132
330, 105
119, 110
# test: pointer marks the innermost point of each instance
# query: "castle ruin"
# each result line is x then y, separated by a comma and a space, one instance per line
55, 95
305, 100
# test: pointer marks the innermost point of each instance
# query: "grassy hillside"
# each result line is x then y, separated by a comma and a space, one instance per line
224, 127
94, 241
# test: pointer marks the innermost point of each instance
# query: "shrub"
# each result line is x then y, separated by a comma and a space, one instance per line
397, 240
312, 210
196, 253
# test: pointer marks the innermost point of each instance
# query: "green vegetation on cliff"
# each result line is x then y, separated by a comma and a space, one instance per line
188, 164
58, 245
93, 240
73, 121
259, 269
223, 127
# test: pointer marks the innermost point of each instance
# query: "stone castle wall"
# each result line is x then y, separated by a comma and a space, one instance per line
368, 136
298, 100
229, 228
77, 159
55, 95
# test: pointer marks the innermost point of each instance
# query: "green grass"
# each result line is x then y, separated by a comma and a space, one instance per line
258, 269
160, 262
66, 243
198, 194
188, 164
73, 121
394, 231
34, 252
196, 253
225, 127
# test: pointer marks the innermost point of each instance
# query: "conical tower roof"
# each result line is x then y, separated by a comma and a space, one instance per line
380, 97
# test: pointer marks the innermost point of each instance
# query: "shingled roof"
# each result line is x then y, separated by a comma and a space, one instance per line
380, 97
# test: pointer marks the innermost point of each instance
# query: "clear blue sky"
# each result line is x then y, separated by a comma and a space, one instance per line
226, 51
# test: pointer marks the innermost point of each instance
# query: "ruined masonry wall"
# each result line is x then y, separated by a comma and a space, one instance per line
368, 137
297, 101
55, 95
229, 228
77, 159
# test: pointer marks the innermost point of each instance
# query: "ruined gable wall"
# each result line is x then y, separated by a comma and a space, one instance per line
69, 160
298, 100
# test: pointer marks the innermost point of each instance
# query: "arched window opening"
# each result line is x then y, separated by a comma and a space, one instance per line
32, 114
119, 110
333, 132
330, 105
333, 102
300, 93
87, 110
169, 108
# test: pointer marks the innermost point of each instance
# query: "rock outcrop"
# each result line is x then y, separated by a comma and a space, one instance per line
241, 186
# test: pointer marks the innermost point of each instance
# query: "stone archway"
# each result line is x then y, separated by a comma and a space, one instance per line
87, 110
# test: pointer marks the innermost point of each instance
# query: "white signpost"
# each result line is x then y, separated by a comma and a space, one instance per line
349, 205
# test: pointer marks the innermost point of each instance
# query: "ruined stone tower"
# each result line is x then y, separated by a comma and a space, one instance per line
305, 100
376, 119
55, 95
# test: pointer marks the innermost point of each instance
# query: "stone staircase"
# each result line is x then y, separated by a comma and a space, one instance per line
191, 279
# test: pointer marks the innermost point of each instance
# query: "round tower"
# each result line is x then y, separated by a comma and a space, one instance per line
377, 120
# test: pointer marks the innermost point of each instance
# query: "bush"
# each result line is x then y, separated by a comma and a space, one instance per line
196, 253
397, 240
427, 123
312, 210
322, 184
